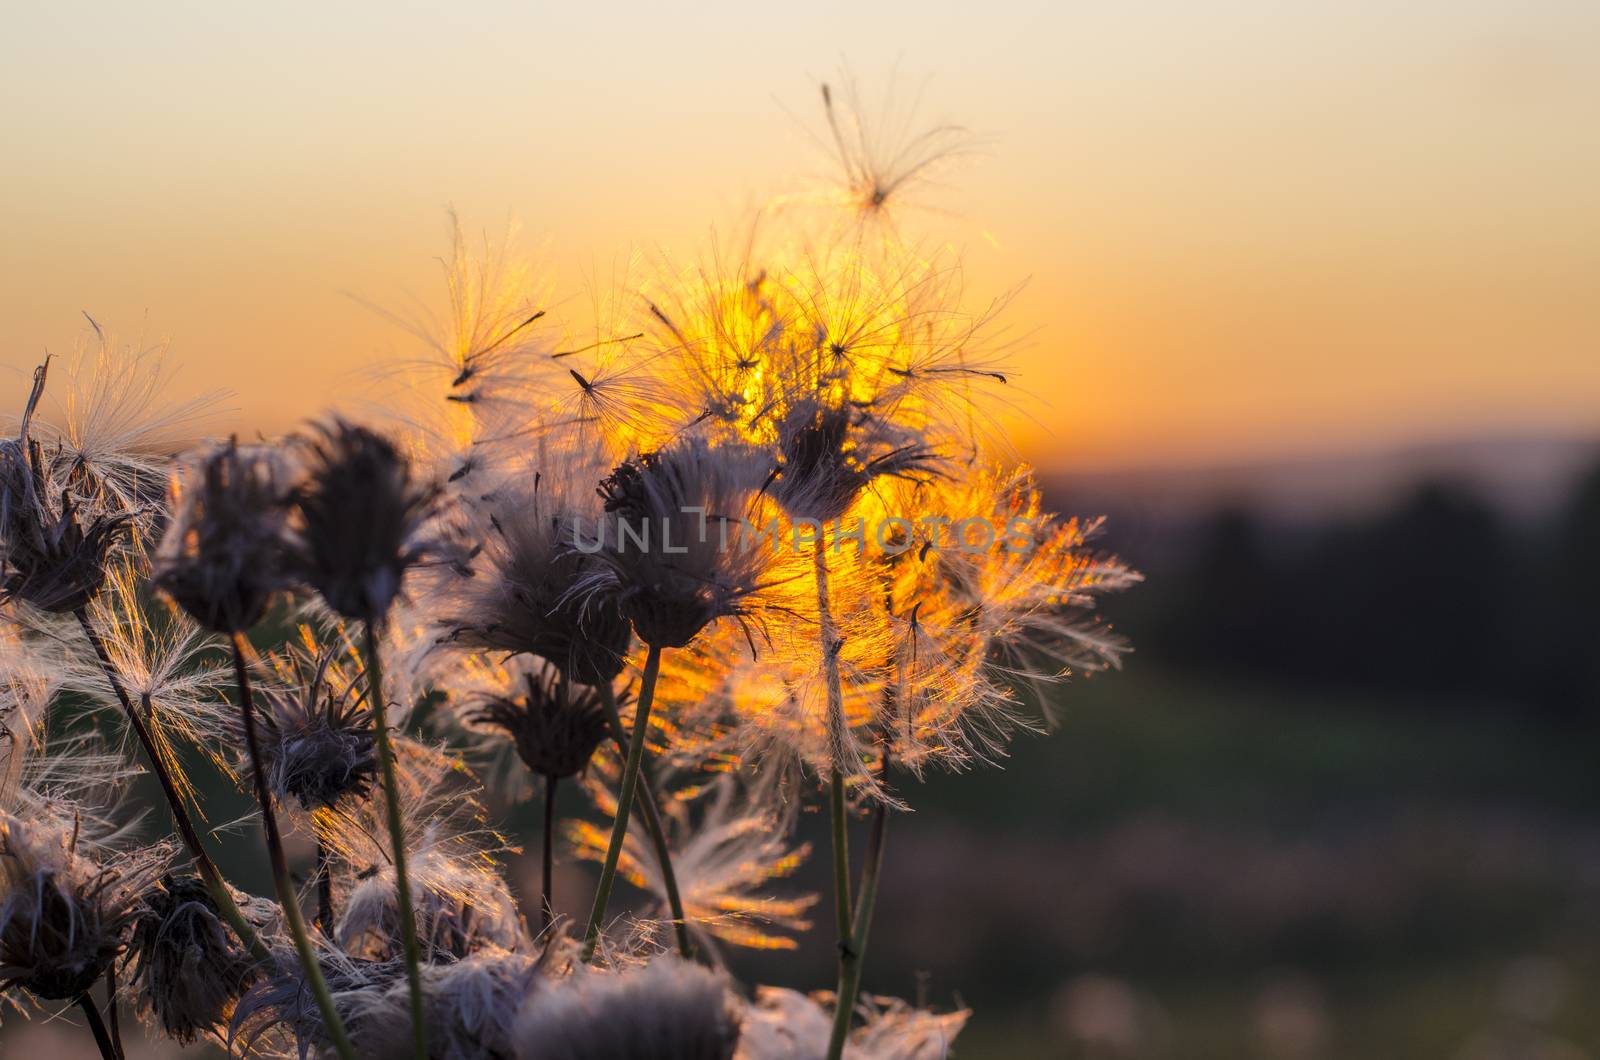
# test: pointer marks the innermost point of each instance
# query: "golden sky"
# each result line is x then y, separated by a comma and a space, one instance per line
1247, 229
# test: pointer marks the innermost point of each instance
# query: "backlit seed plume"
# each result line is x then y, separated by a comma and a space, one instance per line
223, 555
667, 1010
471, 1006
675, 549
118, 426
787, 1025
27, 685
53, 549
187, 968
461, 899
554, 725
520, 596
65, 912
162, 659
1025, 600
728, 848
360, 520
883, 152
318, 747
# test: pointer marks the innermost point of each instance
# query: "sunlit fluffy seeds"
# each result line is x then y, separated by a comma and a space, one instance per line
188, 968
223, 555
667, 1010
692, 500
520, 597
361, 519
830, 454
554, 726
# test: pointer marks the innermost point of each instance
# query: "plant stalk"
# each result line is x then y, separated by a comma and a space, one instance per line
851, 959
547, 892
625, 793
287, 898
97, 1027
210, 875
324, 919
839, 746
652, 820
111, 1008
397, 840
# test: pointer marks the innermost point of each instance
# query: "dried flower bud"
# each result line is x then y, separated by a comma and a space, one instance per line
361, 519
554, 726
222, 556
317, 741
667, 1010
64, 917
189, 968
689, 565
830, 454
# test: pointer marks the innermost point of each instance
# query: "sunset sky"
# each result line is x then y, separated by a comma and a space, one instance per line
1247, 229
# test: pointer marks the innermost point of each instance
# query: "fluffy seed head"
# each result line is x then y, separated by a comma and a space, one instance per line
667, 1010
691, 502
189, 970
360, 520
222, 556
64, 916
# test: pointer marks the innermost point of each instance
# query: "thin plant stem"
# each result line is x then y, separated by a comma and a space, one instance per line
324, 890
210, 875
652, 820
97, 1027
837, 808
397, 841
111, 1007
287, 898
630, 783
547, 892
851, 961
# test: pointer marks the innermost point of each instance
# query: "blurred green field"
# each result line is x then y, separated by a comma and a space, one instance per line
1199, 871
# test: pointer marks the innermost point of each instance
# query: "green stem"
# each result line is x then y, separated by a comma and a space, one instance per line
210, 875
652, 820
397, 840
287, 898
625, 793
852, 958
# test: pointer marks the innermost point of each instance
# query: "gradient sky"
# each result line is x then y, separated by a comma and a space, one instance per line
1248, 229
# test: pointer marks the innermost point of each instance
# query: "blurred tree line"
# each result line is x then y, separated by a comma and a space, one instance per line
1441, 598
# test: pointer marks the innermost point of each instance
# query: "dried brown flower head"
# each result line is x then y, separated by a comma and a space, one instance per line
361, 519
222, 556
189, 969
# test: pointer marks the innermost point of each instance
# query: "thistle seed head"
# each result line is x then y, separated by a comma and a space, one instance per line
318, 746
692, 501
667, 1010
554, 726
361, 520
64, 917
222, 556
189, 969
